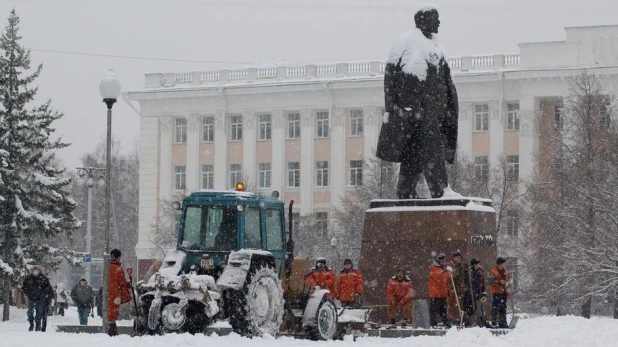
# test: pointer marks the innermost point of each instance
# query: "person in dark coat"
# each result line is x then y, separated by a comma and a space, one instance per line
83, 297
419, 127
477, 295
39, 292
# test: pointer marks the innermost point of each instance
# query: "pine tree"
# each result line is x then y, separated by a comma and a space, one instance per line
34, 204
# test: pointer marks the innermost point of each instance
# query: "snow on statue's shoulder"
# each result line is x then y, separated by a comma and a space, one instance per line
415, 52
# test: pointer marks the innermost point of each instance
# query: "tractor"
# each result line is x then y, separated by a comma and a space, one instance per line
234, 260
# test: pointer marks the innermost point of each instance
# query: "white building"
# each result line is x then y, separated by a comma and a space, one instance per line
305, 130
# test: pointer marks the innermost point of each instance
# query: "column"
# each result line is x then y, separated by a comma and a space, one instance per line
496, 133
248, 149
464, 131
148, 200
193, 153
307, 132
277, 166
165, 164
337, 173
220, 162
529, 111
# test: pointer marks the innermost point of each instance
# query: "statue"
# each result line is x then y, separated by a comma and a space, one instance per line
420, 122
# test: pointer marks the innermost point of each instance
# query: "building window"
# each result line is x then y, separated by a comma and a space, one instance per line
481, 114
322, 173
356, 123
512, 222
356, 172
180, 177
321, 223
236, 128
294, 174
604, 115
265, 127
512, 114
512, 168
481, 169
558, 121
181, 130
294, 126
235, 174
321, 125
208, 129
264, 175
387, 171
207, 177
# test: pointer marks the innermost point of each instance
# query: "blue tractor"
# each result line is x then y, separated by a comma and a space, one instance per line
232, 254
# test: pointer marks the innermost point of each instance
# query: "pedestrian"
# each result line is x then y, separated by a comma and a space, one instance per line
39, 291
83, 297
119, 291
439, 279
399, 296
459, 292
349, 285
477, 294
61, 299
154, 268
500, 279
321, 277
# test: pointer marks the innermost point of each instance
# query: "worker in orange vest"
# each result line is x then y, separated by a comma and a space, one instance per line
399, 296
499, 289
349, 285
323, 277
439, 281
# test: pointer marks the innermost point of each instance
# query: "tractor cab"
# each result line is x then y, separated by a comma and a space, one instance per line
214, 223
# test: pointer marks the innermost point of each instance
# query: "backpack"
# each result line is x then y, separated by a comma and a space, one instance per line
63, 295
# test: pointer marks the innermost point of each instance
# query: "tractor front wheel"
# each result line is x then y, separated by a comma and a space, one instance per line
258, 308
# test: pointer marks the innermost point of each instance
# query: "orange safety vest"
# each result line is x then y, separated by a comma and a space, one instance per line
496, 287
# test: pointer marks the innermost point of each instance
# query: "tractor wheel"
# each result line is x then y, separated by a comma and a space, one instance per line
325, 322
258, 308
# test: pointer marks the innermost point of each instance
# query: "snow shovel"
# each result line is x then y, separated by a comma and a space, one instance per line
135, 322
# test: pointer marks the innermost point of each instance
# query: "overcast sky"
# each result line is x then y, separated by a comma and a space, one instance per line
225, 33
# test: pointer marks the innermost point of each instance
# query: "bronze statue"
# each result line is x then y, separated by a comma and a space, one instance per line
420, 122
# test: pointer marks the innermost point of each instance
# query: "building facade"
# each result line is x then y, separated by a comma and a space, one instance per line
306, 131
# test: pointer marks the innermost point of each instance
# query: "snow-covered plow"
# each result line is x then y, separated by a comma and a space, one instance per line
177, 303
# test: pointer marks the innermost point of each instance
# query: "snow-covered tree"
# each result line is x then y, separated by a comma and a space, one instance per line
124, 204
574, 240
34, 204
379, 182
165, 227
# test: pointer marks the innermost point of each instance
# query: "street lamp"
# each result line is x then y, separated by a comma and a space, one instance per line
109, 87
88, 175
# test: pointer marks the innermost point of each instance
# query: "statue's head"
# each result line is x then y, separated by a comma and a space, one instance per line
427, 20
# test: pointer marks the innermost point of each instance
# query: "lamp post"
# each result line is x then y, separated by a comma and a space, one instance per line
109, 87
89, 175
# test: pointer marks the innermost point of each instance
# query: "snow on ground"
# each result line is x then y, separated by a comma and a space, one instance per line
534, 332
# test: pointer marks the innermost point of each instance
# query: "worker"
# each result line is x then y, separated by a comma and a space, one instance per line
399, 295
439, 279
349, 285
321, 277
499, 289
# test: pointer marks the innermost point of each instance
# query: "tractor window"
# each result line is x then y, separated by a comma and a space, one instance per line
253, 235
210, 228
274, 231
193, 225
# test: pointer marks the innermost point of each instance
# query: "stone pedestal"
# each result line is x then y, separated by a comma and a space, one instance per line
409, 234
